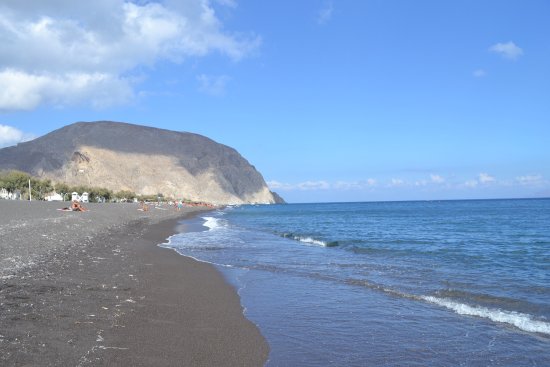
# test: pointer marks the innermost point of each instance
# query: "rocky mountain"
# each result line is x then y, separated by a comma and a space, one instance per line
146, 160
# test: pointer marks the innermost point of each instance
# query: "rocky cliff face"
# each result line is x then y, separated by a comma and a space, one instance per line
146, 160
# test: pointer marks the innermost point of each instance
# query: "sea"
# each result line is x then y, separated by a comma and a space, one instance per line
420, 283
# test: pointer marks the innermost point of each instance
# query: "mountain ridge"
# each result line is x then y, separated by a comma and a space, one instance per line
143, 159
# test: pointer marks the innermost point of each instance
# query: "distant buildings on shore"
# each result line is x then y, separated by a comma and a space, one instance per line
53, 196
84, 198
6, 195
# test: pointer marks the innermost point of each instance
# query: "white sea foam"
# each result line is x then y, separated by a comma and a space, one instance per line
167, 242
201, 260
310, 241
212, 223
522, 321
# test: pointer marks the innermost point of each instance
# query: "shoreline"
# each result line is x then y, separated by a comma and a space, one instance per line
112, 296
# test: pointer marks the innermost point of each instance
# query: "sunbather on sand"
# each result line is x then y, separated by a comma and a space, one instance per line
77, 207
143, 206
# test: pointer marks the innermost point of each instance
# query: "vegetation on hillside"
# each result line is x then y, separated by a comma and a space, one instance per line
17, 180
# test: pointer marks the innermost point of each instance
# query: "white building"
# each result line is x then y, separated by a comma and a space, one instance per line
54, 197
6, 195
84, 198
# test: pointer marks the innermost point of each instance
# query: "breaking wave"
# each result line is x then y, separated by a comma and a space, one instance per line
310, 240
212, 223
520, 320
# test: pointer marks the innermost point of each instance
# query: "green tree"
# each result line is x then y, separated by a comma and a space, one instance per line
125, 194
16, 180
62, 189
40, 188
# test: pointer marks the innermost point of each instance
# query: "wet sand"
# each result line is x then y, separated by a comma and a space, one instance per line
94, 289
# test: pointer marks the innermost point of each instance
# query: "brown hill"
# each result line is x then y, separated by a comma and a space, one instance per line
146, 160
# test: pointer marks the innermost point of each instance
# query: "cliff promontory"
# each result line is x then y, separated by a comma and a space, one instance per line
145, 160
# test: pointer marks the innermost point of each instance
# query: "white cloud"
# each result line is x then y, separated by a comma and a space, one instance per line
479, 73
313, 185
66, 51
355, 185
323, 185
437, 179
507, 50
276, 185
530, 180
212, 84
482, 179
325, 13
434, 180
10, 136
23, 91
485, 178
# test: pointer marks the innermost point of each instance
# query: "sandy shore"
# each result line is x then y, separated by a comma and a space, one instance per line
79, 289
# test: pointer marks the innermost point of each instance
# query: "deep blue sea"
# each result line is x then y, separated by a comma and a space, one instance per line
443, 283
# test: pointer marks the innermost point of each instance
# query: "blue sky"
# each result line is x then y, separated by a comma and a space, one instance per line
330, 100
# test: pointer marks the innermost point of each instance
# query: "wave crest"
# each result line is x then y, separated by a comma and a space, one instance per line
212, 223
520, 320
310, 240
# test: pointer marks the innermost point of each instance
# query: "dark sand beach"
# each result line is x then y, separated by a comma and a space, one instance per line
94, 289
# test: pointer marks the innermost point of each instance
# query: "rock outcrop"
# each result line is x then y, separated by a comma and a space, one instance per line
146, 160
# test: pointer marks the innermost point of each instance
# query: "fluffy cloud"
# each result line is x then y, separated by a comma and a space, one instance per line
23, 91
482, 179
485, 178
507, 50
65, 51
10, 136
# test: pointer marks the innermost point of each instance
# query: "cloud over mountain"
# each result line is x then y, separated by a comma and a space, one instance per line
10, 135
65, 52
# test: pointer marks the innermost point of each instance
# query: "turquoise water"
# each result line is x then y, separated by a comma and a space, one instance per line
397, 283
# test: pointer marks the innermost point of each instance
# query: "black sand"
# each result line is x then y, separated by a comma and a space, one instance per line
79, 289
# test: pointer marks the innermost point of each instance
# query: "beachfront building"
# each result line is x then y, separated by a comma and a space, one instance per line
84, 198
6, 195
54, 196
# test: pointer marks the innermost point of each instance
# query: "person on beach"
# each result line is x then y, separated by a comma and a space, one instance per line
77, 207
144, 207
